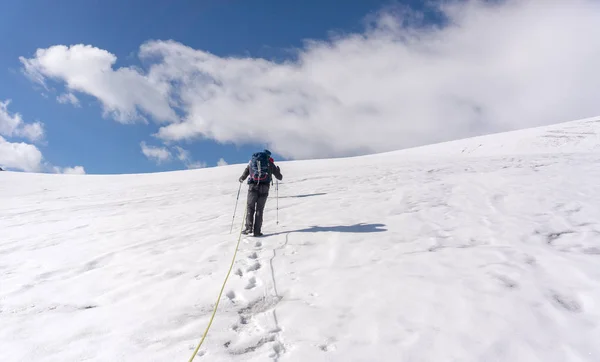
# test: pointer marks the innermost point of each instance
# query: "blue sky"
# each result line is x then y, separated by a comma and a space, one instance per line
239, 76
80, 136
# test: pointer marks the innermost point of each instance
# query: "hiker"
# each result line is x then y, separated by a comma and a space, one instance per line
260, 169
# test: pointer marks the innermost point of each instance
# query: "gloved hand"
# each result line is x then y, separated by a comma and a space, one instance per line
242, 179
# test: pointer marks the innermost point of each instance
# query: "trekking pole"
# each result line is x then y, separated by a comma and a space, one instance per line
277, 192
234, 210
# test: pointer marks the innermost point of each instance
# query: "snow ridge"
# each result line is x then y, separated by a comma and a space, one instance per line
482, 249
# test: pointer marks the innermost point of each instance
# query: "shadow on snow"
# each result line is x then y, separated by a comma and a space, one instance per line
357, 228
303, 196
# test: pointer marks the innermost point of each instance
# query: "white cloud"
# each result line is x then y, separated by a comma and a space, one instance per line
182, 154
88, 69
33, 132
12, 125
20, 156
157, 154
496, 66
185, 157
77, 170
195, 165
68, 98
222, 162
162, 154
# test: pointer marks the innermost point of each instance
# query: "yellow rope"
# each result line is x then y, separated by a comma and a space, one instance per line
222, 288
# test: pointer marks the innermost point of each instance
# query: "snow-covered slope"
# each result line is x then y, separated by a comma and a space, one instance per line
580, 136
391, 257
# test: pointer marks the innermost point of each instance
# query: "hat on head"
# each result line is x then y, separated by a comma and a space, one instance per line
267, 152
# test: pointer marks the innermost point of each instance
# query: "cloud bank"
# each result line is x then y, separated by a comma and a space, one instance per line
77, 170
493, 66
157, 154
185, 156
12, 125
22, 156
19, 155
89, 70
68, 98
161, 155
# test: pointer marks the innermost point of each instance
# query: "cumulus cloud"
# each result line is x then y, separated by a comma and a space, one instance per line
123, 92
33, 132
77, 170
68, 98
186, 158
20, 156
12, 125
195, 165
161, 155
492, 66
222, 162
157, 154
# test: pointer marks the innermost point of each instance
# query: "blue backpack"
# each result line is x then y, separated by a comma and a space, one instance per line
259, 168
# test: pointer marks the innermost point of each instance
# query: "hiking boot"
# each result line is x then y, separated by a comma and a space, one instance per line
246, 232
257, 234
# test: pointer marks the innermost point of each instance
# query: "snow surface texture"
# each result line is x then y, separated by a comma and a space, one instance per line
486, 250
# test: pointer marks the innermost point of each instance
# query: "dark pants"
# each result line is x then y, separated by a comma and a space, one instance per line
257, 198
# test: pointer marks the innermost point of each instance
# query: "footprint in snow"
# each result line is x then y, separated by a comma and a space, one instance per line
260, 305
251, 283
254, 267
240, 350
327, 347
566, 302
592, 251
97, 263
199, 354
278, 350
506, 281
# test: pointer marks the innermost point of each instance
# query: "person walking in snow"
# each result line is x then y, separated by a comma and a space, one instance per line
261, 168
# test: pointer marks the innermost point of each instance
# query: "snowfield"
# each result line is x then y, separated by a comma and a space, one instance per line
484, 249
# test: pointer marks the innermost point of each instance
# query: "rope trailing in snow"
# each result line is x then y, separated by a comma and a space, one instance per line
237, 246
